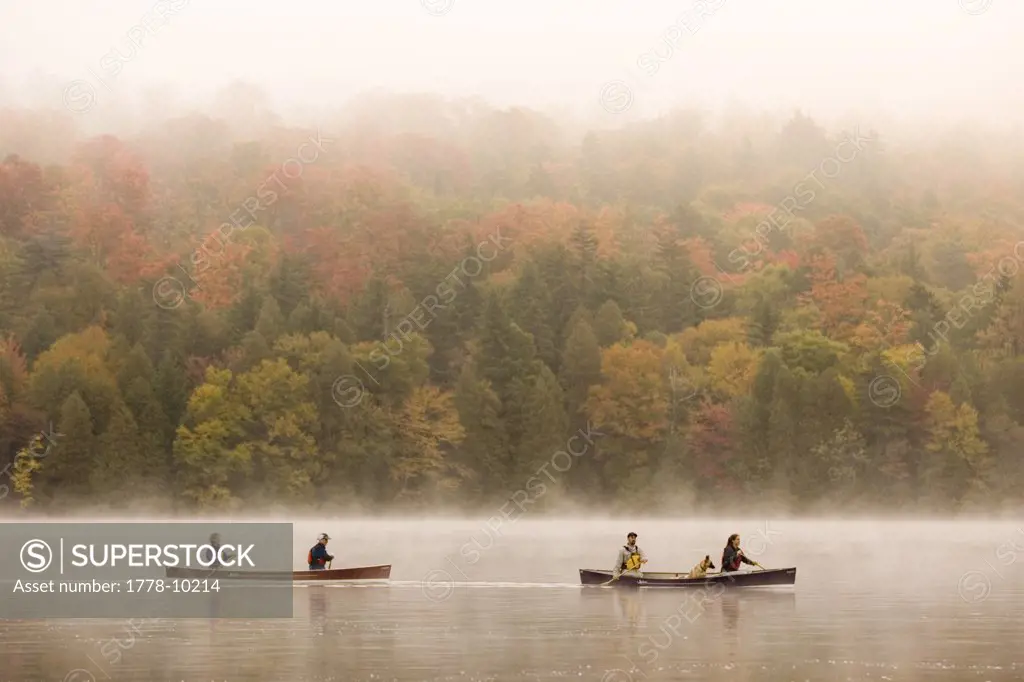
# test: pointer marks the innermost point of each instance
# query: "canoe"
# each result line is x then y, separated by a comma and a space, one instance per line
358, 573
766, 578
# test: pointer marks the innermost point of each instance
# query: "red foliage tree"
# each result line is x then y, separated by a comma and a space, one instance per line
24, 193
840, 302
108, 202
710, 442
842, 236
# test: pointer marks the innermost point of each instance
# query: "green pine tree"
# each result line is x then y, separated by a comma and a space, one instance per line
485, 449
581, 365
610, 326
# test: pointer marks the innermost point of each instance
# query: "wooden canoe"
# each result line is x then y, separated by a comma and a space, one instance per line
358, 573
766, 578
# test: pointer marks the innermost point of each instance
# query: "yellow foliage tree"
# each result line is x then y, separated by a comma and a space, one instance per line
732, 368
427, 419
25, 464
955, 430
632, 400
698, 342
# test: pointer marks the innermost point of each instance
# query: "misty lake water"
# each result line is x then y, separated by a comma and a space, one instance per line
874, 600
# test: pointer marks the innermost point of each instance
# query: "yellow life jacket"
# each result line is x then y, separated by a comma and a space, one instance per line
633, 562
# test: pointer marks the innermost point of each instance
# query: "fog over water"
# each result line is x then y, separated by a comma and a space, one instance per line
493, 593
874, 600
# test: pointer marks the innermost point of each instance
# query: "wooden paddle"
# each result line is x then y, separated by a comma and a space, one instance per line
610, 581
619, 576
214, 568
759, 566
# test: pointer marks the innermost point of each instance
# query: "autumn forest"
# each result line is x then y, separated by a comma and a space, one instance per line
424, 303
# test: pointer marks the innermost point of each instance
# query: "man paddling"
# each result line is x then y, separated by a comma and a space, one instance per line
318, 556
630, 558
732, 555
214, 544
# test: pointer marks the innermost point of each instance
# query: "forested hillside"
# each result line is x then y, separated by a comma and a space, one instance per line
421, 302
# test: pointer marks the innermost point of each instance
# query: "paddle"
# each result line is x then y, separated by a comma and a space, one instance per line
618, 576
214, 567
759, 566
610, 581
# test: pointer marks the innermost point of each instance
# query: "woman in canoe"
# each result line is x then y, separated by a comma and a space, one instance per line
732, 555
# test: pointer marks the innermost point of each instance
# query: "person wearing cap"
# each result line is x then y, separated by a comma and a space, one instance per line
630, 558
318, 556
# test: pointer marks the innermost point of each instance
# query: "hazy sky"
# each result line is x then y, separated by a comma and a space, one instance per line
906, 58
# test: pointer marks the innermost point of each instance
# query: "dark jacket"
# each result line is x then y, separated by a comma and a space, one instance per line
216, 554
732, 558
318, 557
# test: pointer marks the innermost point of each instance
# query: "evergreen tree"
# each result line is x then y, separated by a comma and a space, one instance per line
270, 323
544, 427
171, 387
584, 249
531, 310
485, 448
67, 470
136, 365
122, 463
130, 315
764, 322
301, 320
581, 366
507, 353
290, 283
673, 300
610, 326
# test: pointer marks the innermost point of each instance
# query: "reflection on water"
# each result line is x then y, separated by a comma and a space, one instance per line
897, 609
630, 605
318, 608
730, 605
